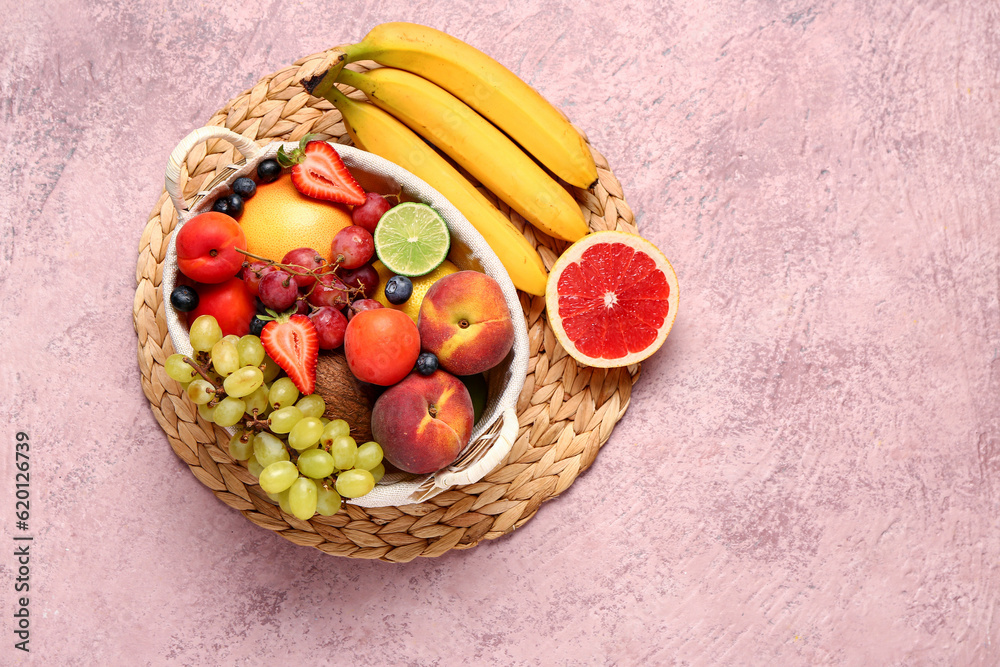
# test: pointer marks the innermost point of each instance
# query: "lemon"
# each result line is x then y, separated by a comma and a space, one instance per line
420, 286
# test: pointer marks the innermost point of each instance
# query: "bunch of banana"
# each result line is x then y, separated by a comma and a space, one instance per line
486, 86
476, 145
377, 132
456, 97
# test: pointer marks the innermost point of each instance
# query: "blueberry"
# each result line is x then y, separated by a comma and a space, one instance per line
235, 205
256, 326
268, 171
398, 289
261, 308
245, 187
427, 363
221, 205
184, 298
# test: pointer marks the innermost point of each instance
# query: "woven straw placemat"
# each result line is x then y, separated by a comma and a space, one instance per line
566, 411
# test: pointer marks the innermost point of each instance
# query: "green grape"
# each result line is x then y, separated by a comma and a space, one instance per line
355, 483
302, 498
207, 413
229, 411
284, 420
283, 393
316, 463
253, 466
283, 503
327, 501
204, 333
241, 446
325, 421
378, 472
278, 476
271, 369
225, 358
312, 405
257, 400
334, 430
243, 382
305, 433
232, 338
200, 391
251, 351
344, 451
369, 455
269, 449
178, 369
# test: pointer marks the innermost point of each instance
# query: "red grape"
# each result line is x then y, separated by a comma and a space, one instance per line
304, 259
361, 305
368, 214
364, 278
302, 305
254, 272
329, 291
330, 325
352, 247
278, 290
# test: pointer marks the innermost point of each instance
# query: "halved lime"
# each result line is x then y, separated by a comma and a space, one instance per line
412, 239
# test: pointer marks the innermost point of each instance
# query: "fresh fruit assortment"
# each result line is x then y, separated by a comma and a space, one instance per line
321, 314
261, 326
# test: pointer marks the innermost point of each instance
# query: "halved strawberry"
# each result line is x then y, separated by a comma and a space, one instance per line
293, 343
318, 172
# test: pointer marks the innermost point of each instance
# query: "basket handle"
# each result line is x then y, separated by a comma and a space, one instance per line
248, 148
490, 459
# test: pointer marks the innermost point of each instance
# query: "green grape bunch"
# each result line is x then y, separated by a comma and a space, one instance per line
303, 461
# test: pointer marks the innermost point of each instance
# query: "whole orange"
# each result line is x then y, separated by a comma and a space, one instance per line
279, 218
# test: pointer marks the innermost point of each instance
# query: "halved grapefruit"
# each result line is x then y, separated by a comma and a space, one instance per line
611, 299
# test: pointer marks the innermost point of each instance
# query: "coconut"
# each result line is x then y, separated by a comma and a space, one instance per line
346, 397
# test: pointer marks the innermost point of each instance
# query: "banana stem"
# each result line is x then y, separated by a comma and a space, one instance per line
321, 84
355, 80
336, 97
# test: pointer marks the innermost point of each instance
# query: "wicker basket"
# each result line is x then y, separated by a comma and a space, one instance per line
565, 411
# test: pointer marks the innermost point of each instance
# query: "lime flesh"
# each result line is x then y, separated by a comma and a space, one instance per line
412, 239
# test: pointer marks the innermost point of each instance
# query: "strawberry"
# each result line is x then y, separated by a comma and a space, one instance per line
318, 172
292, 341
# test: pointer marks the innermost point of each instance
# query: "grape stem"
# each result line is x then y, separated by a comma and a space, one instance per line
294, 269
255, 423
201, 371
297, 270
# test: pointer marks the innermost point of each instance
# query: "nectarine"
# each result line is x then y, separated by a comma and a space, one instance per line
464, 320
423, 423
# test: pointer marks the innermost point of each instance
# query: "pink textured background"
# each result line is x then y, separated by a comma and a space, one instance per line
810, 469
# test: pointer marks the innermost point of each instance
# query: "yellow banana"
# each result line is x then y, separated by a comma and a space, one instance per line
486, 86
476, 145
377, 132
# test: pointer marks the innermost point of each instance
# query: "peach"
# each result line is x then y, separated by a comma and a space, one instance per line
464, 320
423, 423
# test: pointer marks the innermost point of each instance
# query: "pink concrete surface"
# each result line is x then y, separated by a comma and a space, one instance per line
809, 472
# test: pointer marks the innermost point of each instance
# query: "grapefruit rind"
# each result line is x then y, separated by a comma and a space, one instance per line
572, 256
